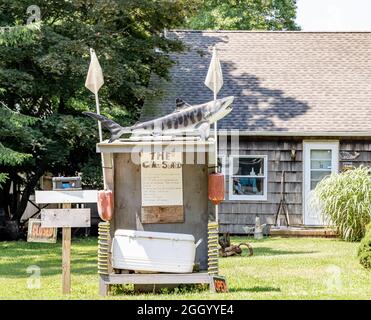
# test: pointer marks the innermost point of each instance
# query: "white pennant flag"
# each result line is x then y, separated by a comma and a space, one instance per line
214, 78
94, 79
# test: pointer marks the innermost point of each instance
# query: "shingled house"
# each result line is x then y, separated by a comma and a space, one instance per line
302, 105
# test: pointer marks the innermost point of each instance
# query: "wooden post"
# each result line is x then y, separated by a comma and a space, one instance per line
66, 256
66, 218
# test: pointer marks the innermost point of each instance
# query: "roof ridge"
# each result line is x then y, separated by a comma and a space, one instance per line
261, 31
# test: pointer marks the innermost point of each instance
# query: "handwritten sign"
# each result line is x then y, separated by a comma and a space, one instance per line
36, 233
161, 179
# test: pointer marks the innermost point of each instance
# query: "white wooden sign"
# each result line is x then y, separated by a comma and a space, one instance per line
73, 196
161, 179
59, 218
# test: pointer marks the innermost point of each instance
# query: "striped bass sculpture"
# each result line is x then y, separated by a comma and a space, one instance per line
185, 118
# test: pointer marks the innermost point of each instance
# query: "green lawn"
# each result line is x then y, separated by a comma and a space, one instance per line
281, 268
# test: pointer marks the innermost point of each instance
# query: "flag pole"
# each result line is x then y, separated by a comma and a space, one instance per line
216, 146
100, 140
99, 128
98, 112
213, 227
216, 154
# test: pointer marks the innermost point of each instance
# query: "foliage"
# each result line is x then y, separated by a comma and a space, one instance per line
3, 177
364, 251
245, 15
91, 174
12, 129
281, 268
346, 201
42, 74
11, 157
23, 34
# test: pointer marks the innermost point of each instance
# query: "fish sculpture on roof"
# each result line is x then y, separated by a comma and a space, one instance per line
185, 118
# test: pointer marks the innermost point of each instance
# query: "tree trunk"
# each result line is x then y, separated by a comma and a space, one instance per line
5, 198
29, 188
62, 106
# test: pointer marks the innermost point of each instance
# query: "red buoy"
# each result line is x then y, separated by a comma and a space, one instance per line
105, 204
216, 188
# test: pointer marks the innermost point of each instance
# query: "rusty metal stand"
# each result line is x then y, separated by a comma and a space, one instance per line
282, 207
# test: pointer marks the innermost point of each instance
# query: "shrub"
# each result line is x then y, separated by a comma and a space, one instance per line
364, 251
346, 201
91, 174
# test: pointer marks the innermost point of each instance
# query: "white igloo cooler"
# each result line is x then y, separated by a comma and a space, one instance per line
153, 251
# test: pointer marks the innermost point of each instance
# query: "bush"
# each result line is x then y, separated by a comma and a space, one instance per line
364, 251
91, 174
346, 201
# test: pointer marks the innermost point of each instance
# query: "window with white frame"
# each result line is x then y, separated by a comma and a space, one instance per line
248, 177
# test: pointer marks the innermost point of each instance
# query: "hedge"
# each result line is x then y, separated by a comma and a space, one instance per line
364, 251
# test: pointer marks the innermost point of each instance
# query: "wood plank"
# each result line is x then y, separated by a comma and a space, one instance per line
157, 278
66, 256
59, 218
129, 147
78, 196
247, 144
103, 287
108, 169
162, 214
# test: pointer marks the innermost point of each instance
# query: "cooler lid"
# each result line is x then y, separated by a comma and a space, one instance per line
155, 235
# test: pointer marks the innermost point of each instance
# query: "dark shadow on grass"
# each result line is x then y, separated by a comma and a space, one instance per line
265, 251
255, 289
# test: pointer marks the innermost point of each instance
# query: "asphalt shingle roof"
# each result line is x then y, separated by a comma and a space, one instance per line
282, 81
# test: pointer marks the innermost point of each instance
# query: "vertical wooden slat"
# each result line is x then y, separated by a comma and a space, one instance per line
66, 256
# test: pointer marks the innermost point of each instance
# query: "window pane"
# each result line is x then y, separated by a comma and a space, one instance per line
320, 164
248, 166
320, 154
317, 176
248, 186
313, 185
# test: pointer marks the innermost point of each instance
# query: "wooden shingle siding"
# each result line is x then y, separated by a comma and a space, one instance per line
235, 214
364, 149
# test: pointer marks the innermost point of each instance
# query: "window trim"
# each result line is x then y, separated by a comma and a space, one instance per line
223, 159
263, 197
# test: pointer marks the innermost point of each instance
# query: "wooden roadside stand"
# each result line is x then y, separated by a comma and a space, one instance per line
66, 218
138, 184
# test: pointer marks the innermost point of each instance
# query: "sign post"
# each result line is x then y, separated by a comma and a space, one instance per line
66, 256
66, 218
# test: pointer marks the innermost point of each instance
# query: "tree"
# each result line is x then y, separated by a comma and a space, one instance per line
42, 72
11, 125
245, 15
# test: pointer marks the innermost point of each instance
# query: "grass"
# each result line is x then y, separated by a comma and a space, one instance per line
281, 268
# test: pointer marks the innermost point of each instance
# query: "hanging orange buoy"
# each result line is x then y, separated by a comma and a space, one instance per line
105, 204
216, 188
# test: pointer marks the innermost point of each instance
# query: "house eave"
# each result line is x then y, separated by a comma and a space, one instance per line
223, 132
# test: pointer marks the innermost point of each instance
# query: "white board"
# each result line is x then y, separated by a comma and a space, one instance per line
78, 196
59, 218
161, 179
